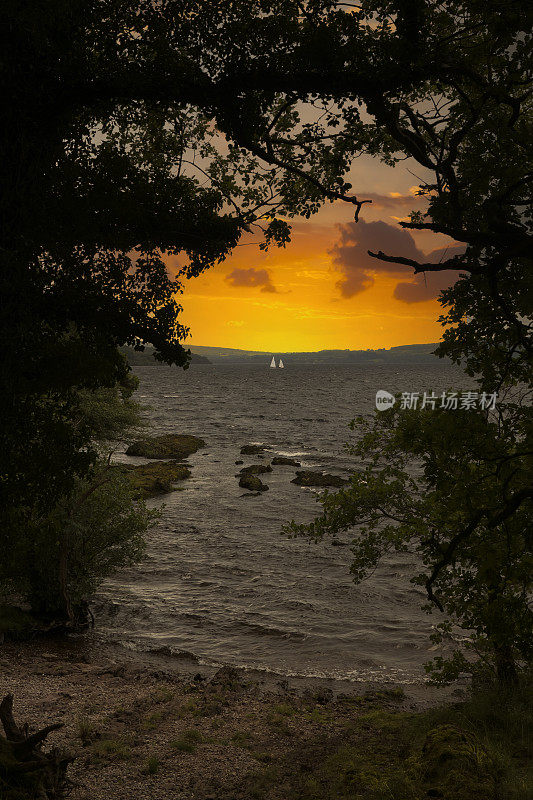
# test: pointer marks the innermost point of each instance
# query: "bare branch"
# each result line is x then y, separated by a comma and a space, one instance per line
451, 263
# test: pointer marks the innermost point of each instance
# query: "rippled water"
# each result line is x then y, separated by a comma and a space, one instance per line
220, 581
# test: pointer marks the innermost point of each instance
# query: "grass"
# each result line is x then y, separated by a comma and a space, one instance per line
242, 738
264, 758
151, 721
162, 695
278, 717
111, 750
318, 717
187, 742
478, 750
203, 706
151, 766
85, 730
284, 710
182, 746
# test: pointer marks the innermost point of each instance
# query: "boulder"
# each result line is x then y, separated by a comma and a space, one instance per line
240, 461
285, 462
149, 480
256, 469
310, 478
253, 483
171, 445
227, 678
251, 449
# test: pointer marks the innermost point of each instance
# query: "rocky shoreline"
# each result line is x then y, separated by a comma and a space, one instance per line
163, 728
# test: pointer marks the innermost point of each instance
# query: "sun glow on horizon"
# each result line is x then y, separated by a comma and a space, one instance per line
322, 291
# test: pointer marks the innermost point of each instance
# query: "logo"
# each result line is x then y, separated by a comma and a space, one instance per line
384, 400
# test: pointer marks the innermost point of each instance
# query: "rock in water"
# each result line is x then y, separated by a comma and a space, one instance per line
152, 479
310, 478
256, 469
171, 445
253, 483
251, 449
285, 462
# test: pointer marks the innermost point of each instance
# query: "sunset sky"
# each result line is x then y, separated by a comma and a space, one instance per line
323, 291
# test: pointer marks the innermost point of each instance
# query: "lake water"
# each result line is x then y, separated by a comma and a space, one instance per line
220, 581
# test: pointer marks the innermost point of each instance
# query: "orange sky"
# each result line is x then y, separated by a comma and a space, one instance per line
298, 303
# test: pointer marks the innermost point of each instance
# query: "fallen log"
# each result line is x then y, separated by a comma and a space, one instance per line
24, 766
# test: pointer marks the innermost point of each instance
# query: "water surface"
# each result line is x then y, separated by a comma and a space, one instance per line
219, 580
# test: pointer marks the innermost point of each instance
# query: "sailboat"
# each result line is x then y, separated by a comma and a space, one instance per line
281, 365
273, 363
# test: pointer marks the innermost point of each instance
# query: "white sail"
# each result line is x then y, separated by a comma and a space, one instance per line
273, 363
281, 364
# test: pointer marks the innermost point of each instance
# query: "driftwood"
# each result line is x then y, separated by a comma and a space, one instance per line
23, 763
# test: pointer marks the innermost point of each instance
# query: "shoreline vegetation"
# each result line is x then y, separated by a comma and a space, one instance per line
159, 731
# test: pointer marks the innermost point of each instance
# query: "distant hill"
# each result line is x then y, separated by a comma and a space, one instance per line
403, 354
146, 358
223, 352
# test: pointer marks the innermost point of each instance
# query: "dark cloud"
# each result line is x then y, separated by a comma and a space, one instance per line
251, 277
350, 256
350, 253
428, 285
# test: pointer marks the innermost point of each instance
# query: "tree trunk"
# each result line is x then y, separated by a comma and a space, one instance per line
505, 667
23, 764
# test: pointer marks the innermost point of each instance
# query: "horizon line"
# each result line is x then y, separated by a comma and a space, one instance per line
322, 350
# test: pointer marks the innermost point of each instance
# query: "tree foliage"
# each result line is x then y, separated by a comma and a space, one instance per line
460, 503
138, 132
62, 540
64, 556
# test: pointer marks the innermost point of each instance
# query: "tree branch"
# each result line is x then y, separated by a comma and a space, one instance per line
451, 263
510, 236
446, 559
512, 505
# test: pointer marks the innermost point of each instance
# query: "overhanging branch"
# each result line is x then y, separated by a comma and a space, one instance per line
457, 262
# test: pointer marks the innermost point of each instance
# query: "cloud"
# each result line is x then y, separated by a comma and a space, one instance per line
251, 277
428, 285
350, 253
394, 199
350, 256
